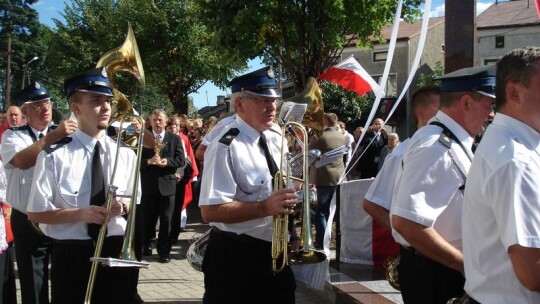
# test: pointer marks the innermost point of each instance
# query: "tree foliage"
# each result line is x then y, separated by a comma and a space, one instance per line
18, 21
174, 46
304, 36
347, 105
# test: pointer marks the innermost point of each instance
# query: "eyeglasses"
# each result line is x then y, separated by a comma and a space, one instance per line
262, 100
46, 105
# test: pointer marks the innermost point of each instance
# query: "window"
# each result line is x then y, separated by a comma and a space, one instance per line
390, 90
380, 56
499, 42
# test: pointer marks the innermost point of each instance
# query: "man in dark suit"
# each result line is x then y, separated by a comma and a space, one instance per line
369, 163
158, 167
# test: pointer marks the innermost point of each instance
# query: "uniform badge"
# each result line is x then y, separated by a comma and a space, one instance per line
104, 73
270, 72
37, 86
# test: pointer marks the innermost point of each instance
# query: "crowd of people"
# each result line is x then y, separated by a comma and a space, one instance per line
434, 194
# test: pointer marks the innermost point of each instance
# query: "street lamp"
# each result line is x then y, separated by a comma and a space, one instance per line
26, 73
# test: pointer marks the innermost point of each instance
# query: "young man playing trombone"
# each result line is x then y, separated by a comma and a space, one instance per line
69, 193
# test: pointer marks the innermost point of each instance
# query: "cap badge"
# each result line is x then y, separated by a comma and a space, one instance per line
104, 72
37, 86
270, 72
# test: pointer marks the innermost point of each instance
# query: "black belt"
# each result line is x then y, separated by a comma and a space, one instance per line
413, 251
88, 242
244, 238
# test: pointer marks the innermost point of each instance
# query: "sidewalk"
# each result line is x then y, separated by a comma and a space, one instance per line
178, 282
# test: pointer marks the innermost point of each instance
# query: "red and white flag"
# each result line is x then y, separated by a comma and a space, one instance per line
350, 75
537, 3
363, 241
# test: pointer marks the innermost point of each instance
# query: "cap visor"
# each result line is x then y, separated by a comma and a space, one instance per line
98, 90
265, 93
485, 94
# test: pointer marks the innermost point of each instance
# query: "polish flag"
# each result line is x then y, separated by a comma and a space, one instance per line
350, 75
363, 241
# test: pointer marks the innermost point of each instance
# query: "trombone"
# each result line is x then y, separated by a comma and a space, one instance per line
123, 58
307, 253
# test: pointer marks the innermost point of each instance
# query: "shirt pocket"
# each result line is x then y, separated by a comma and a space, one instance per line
73, 193
258, 184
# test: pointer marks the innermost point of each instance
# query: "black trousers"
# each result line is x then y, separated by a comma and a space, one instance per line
158, 206
8, 291
423, 280
240, 271
177, 210
70, 271
32, 254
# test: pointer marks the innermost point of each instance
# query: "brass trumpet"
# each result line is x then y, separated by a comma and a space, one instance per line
124, 58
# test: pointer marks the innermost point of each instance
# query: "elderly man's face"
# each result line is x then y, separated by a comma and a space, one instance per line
14, 116
259, 112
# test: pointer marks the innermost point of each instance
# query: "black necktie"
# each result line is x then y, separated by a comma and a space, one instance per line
269, 160
98, 189
40, 135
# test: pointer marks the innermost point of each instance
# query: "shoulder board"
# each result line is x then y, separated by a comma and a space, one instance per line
19, 128
446, 136
62, 142
228, 137
445, 140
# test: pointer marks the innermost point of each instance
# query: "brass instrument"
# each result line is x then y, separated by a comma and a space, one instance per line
307, 253
124, 58
312, 96
390, 265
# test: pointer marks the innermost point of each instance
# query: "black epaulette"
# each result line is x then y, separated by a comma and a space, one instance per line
446, 137
19, 128
62, 142
228, 137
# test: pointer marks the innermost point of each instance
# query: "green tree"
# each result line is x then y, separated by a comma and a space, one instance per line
347, 105
18, 21
174, 47
304, 36
427, 79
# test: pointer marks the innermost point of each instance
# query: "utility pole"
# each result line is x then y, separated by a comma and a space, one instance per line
460, 34
8, 75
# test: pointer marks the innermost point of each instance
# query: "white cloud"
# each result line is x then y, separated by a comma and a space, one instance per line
437, 11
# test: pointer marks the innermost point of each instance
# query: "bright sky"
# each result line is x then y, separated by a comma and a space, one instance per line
207, 94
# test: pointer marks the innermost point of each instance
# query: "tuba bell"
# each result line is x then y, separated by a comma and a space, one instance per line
124, 58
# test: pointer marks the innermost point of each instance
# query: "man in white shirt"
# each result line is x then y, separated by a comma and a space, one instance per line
501, 212
426, 207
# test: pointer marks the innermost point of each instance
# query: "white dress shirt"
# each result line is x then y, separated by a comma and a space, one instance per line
501, 209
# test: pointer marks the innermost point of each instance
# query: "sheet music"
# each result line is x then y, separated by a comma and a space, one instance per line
292, 111
120, 263
331, 156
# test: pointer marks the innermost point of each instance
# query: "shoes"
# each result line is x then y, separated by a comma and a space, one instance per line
147, 250
164, 259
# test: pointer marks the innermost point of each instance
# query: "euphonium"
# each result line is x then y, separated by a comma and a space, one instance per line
307, 253
123, 58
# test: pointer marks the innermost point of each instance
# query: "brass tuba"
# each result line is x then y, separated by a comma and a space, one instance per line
124, 58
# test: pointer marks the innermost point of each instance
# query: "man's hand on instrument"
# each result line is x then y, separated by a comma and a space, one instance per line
94, 214
66, 127
155, 160
281, 202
